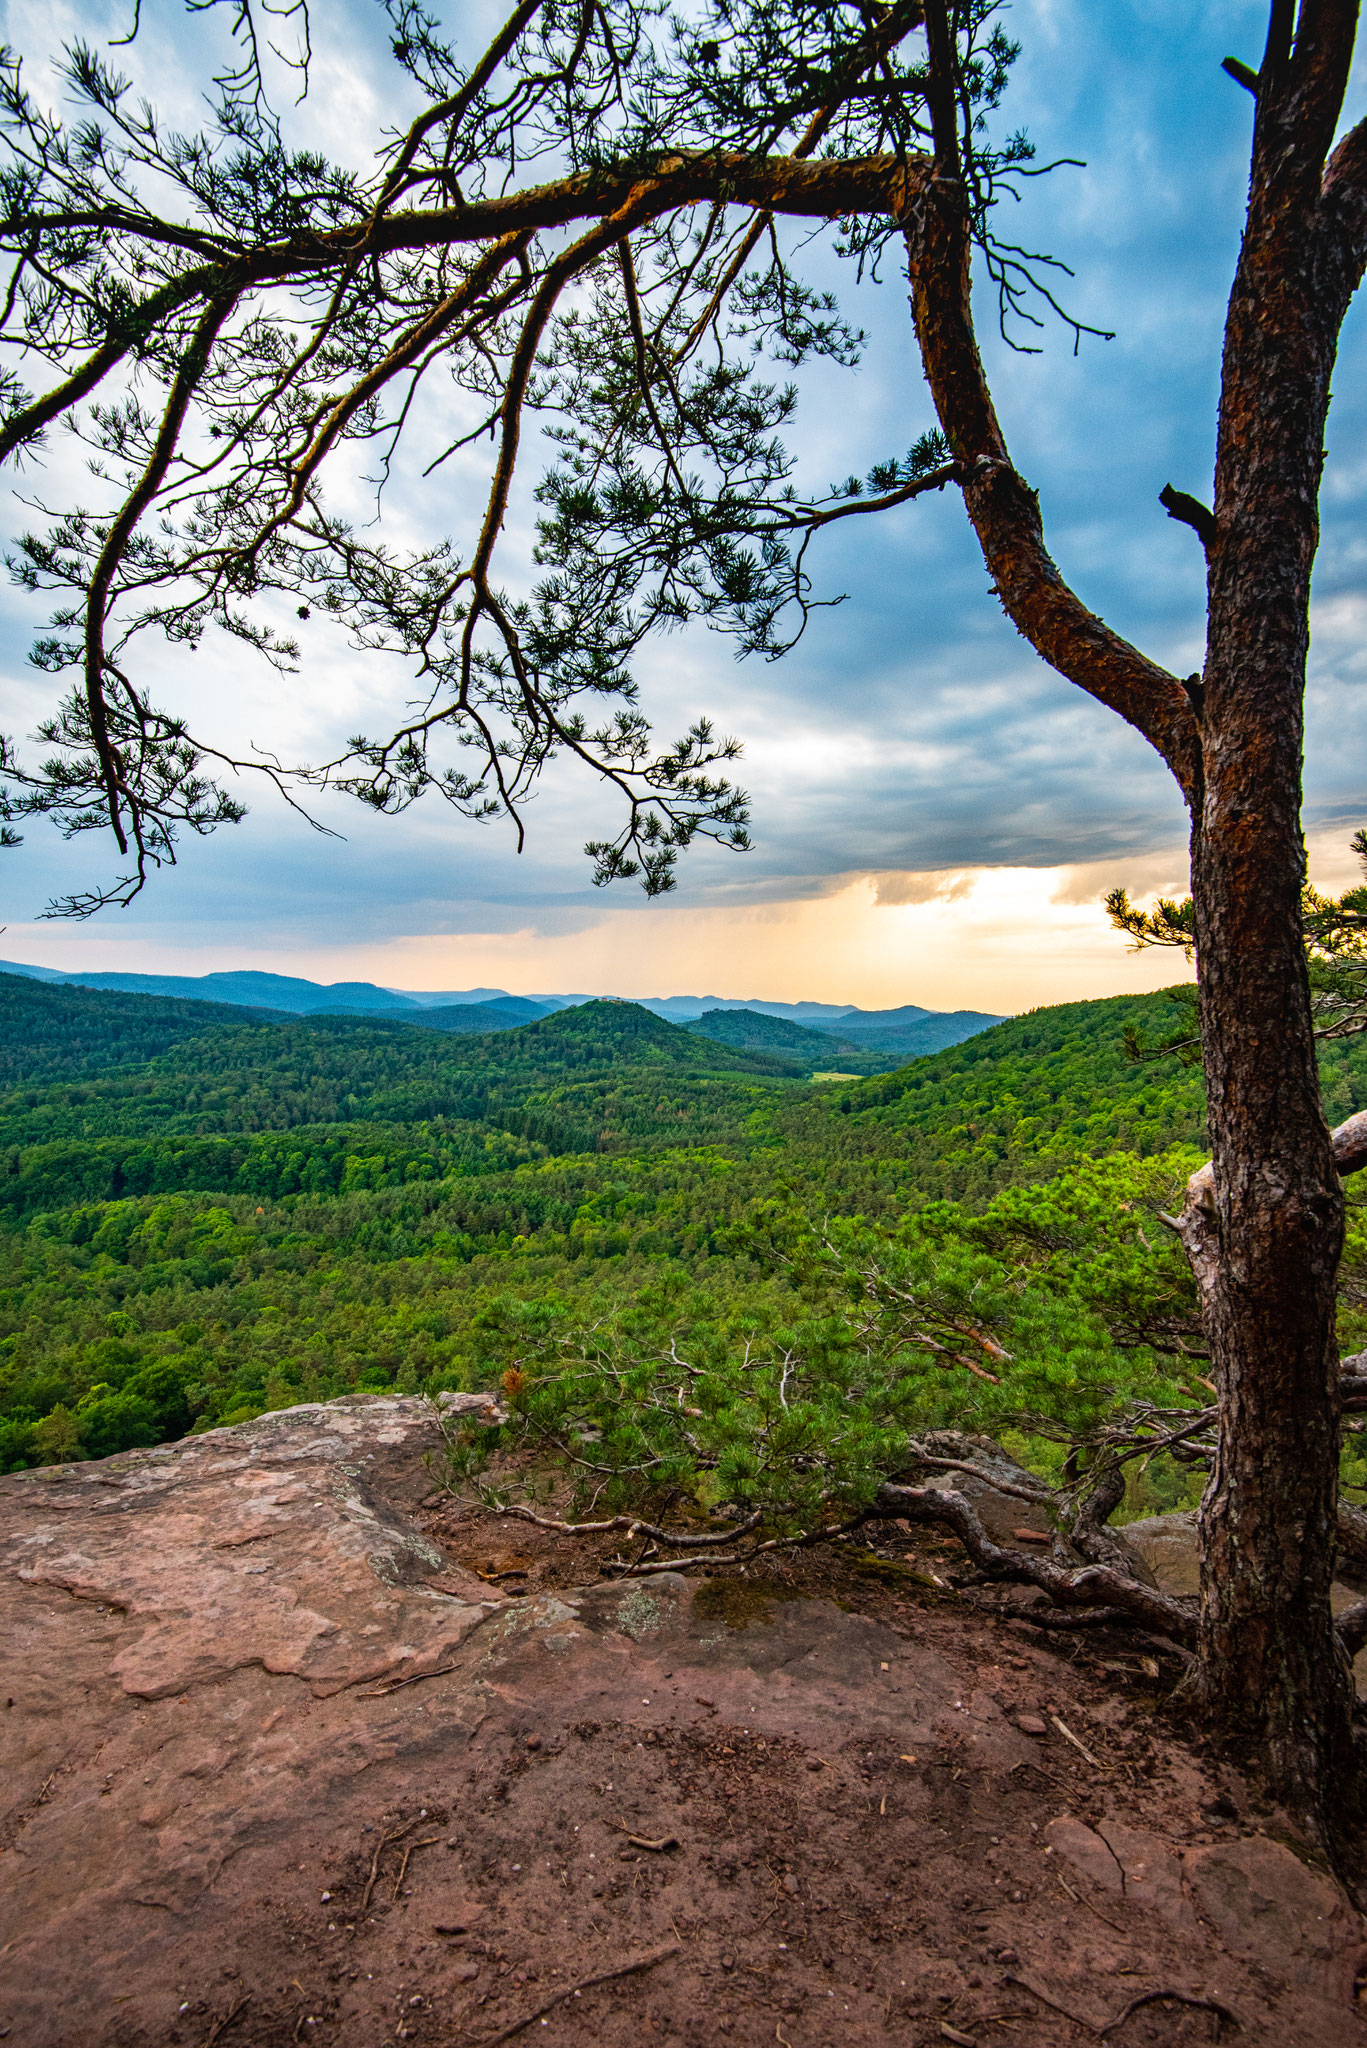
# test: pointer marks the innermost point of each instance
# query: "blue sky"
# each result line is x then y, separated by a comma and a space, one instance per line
936, 814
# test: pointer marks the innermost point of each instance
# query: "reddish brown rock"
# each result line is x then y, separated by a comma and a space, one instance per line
246, 1795
1139, 1870
1261, 1898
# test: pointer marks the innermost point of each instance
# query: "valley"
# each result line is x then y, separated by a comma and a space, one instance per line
209, 1214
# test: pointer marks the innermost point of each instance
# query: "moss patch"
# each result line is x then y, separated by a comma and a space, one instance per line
739, 1603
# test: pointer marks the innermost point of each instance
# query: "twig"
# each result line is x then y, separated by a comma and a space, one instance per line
378, 1692
1052, 2003
1049, 1777
222, 2026
633, 1526
1079, 1900
1081, 1747
645, 1841
601, 1977
1179, 1998
674, 1564
394, 1835
427, 1842
1038, 1496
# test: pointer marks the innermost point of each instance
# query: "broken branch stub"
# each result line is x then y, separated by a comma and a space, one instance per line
1197, 1225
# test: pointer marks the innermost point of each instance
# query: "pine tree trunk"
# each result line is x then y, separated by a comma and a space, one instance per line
1271, 1674
1271, 1671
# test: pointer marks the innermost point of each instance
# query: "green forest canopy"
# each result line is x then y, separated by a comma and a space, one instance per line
206, 1213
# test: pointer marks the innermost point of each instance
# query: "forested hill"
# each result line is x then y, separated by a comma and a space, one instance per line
51, 1027
867, 1042
48, 1030
752, 1030
113, 1094
206, 1212
210, 1106
1030, 1095
1042, 1090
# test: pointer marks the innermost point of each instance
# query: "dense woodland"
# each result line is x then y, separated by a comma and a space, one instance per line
206, 1213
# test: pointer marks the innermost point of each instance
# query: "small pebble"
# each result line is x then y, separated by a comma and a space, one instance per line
533, 1742
1031, 1724
814, 1763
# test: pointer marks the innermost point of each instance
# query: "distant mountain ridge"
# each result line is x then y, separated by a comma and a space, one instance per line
753, 1030
687, 1009
252, 990
908, 1030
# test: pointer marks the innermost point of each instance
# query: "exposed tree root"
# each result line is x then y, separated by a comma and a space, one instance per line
1100, 1593
1089, 1585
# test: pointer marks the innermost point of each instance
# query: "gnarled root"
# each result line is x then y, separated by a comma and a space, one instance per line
1089, 1585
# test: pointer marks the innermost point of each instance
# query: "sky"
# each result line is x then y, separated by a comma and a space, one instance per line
936, 814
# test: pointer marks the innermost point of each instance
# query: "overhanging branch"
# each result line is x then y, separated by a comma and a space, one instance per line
1004, 510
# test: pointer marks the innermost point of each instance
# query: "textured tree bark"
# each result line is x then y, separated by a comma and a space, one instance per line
1271, 1672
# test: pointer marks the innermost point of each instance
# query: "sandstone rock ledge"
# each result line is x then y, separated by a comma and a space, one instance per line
241, 1682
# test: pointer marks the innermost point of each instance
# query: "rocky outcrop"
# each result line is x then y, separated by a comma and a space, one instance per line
276, 1767
281, 1543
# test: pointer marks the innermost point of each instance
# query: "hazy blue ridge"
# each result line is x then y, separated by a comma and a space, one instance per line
468, 1018
910, 1019
926, 1034
252, 989
687, 1009
748, 1028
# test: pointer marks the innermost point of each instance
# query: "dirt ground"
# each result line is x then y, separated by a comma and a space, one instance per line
804, 1808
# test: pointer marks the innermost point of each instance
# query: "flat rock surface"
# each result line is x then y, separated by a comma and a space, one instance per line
1168, 1546
284, 1762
